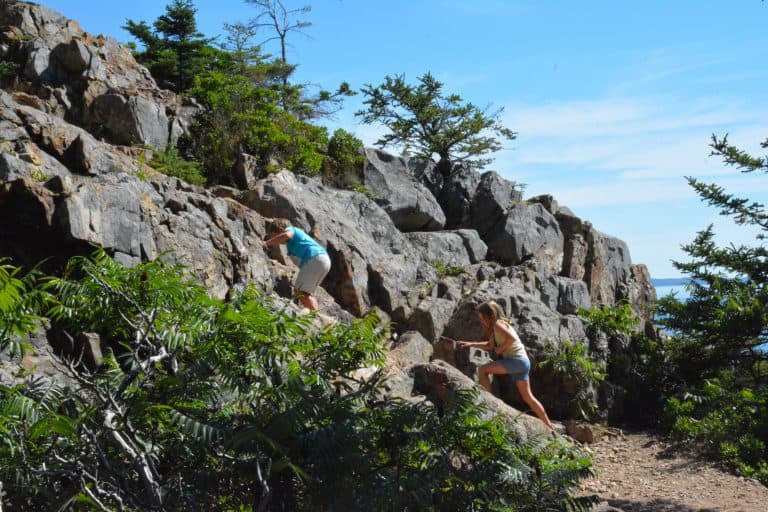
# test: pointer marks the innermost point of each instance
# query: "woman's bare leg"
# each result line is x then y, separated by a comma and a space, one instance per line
524, 388
484, 373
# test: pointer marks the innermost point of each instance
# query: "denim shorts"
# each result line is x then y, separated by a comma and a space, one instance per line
517, 367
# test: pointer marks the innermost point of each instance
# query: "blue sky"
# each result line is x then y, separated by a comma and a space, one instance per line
614, 102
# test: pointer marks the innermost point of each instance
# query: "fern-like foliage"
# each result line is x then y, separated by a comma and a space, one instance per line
205, 405
21, 299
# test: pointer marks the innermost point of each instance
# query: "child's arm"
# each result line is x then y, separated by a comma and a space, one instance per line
280, 238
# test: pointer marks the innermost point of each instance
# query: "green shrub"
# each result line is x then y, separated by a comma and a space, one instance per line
242, 116
443, 269
170, 163
572, 362
209, 405
616, 320
344, 164
726, 424
365, 190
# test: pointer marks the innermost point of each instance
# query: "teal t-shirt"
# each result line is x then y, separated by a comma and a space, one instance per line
303, 246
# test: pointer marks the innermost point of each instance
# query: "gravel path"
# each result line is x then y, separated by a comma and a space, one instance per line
637, 473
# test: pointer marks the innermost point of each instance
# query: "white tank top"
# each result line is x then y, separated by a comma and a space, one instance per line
515, 350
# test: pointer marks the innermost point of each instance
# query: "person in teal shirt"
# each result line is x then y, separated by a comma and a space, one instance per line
312, 258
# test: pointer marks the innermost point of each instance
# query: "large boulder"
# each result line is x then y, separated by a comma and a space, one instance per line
430, 317
608, 268
439, 381
441, 246
410, 204
372, 262
527, 231
424, 170
493, 198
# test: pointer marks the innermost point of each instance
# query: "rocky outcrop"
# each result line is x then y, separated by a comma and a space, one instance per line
71, 178
492, 200
456, 195
89, 81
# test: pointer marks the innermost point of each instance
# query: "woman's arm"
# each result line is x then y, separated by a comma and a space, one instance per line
484, 345
280, 238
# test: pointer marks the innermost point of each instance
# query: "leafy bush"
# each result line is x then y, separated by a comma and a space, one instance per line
365, 190
243, 116
727, 424
616, 320
207, 405
345, 160
572, 362
20, 302
171, 163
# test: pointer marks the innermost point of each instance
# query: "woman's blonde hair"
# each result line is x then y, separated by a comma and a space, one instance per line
491, 310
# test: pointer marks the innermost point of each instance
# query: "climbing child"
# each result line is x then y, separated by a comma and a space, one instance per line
313, 261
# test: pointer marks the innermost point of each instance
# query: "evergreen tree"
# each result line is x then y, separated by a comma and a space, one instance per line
431, 122
174, 51
718, 350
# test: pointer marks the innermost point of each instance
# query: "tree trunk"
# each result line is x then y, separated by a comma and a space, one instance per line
444, 166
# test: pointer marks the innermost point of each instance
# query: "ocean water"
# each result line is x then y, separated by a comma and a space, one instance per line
679, 290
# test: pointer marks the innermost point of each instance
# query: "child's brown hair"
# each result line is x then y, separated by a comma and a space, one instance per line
277, 225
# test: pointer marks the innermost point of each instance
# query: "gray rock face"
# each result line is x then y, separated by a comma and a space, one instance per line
128, 120
247, 170
430, 317
527, 231
443, 246
410, 204
92, 82
411, 348
456, 196
425, 172
219, 240
608, 269
373, 263
40, 363
456, 248
476, 248
565, 295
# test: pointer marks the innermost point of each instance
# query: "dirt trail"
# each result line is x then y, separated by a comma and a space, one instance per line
638, 473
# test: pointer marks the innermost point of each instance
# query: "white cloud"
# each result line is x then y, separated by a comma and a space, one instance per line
628, 150
611, 117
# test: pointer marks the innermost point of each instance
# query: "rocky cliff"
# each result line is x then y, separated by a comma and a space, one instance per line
76, 119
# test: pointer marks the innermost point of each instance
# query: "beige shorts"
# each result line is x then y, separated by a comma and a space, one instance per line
312, 273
